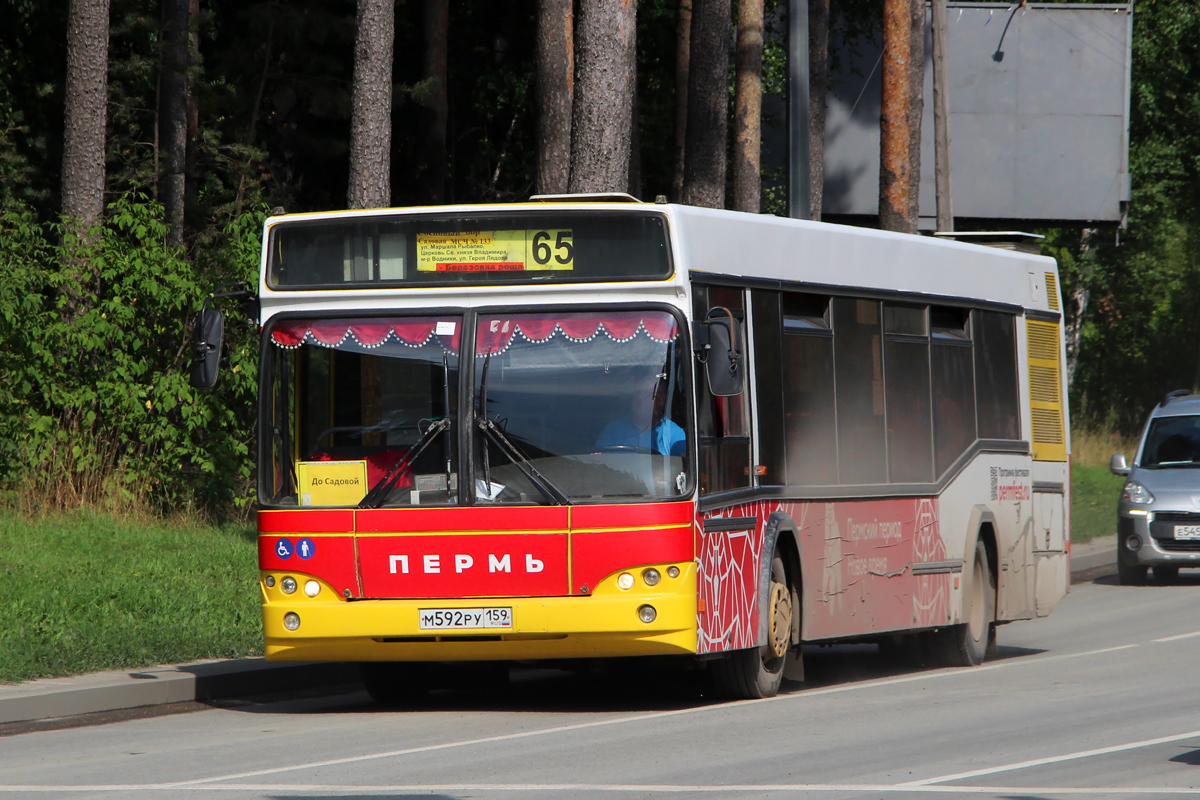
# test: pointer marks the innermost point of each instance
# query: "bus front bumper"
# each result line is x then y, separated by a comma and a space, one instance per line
604, 624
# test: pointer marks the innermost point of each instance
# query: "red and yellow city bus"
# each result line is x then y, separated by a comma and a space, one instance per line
579, 429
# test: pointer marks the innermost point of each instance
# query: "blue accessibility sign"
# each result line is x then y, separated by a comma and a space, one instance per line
305, 548
283, 548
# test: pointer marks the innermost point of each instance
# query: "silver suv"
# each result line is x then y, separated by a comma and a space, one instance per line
1158, 517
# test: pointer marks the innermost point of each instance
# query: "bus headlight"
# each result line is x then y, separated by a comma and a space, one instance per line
651, 577
288, 584
291, 620
625, 581
312, 588
646, 614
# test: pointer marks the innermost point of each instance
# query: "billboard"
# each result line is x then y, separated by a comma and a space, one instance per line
1038, 124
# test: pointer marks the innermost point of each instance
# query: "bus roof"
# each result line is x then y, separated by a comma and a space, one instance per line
734, 245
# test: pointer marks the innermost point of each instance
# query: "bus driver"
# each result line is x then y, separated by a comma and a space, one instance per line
645, 428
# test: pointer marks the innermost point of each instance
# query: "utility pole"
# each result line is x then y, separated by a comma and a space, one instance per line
941, 121
799, 190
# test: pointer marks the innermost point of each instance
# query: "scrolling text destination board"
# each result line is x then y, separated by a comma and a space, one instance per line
495, 251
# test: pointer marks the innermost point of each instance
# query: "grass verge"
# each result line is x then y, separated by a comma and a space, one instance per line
1094, 489
82, 592
1094, 492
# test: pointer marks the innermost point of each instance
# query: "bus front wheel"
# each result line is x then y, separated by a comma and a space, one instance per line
396, 684
758, 672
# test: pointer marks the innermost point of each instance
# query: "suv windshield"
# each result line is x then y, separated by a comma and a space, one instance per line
1172, 442
361, 411
580, 407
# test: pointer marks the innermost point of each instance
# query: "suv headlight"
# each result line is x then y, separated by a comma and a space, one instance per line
1137, 494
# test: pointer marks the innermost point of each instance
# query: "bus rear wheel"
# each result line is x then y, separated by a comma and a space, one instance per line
966, 645
758, 672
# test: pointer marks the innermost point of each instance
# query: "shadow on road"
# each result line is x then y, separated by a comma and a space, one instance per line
1191, 758
604, 686
1185, 578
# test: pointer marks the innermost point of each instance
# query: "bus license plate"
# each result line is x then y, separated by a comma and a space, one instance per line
465, 618
1187, 531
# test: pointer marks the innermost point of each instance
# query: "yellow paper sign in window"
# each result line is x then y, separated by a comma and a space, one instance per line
331, 483
496, 251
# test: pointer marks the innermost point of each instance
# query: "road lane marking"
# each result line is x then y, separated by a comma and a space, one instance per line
848, 687
649, 788
1177, 637
921, 676
1037, 762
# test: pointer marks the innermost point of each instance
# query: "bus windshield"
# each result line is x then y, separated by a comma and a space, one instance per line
580, 407
362, 410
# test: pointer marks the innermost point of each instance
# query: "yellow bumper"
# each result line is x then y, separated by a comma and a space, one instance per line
603, 624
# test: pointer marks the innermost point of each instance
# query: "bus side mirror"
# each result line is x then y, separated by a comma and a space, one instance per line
206, 347
726, 357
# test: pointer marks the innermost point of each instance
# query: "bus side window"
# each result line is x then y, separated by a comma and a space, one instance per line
996, 375
906, 369
723, 422
858, 367
952, 365
808, 396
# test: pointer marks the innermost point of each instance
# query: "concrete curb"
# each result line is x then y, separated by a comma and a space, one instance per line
1093, 559
201, 681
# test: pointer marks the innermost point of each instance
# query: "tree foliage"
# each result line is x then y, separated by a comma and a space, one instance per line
1140, 325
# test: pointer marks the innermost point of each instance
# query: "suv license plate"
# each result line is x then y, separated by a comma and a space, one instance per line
1187, 531
471, 618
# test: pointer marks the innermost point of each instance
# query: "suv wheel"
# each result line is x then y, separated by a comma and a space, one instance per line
1130, 575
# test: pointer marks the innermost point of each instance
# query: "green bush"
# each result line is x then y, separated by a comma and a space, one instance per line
95, 406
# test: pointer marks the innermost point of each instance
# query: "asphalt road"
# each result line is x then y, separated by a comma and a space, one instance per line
1098, 700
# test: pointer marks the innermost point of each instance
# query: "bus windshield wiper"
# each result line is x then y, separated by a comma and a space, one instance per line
522, 462
388, 482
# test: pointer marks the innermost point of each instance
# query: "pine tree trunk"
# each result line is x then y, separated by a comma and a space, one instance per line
747, 107
916, 104
85, 113
555, 91
437, 24
818, 83
682, 57
708, 105
601, 119
173, 114
635, 143
191, 184
371, 114
897, 181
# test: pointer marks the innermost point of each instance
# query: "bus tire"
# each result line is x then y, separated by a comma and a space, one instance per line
757, 672
966, 645
395, 684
